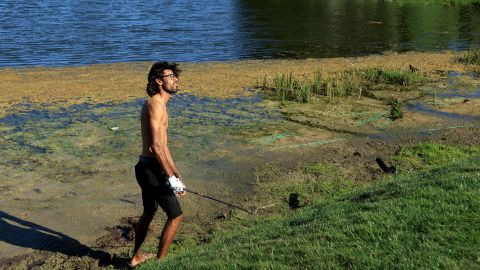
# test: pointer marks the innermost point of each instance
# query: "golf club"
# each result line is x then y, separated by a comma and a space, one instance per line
220, 201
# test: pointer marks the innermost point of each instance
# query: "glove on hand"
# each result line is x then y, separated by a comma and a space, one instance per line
175, 184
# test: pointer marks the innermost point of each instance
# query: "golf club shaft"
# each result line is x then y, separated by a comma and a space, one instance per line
217, 200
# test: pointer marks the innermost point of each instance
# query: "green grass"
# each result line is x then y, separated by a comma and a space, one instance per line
400, 77
289, 88
431, 154
351, 82
423, 219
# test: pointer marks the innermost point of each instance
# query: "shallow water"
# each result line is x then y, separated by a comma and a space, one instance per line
422, 108
76, 162
62, 33
454, 88
198, 120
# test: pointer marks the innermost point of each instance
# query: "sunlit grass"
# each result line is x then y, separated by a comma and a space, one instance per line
422, 219
351, 82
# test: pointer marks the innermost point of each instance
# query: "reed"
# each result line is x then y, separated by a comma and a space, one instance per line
317, 83
351, 82
284, 86
266, 83
289, 88
470, 57
302, 91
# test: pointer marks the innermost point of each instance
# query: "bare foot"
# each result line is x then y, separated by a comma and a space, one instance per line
140, 258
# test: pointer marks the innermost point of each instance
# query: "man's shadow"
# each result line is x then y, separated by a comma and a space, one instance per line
27, 234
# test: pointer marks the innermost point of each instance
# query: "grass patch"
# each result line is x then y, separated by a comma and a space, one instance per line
432, 154
470, 57
289, 88
313, 183
400, 77
351, 82
425, 219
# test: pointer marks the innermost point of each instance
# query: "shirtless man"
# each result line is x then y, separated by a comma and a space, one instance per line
156, 172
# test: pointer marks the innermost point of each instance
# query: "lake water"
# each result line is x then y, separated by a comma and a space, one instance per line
64, 32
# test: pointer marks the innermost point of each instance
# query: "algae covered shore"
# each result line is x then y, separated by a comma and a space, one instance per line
70, 139
117, 82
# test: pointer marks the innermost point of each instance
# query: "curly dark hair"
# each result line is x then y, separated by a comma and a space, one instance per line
156, 72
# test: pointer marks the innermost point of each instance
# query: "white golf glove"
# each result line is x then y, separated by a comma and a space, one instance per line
175, 184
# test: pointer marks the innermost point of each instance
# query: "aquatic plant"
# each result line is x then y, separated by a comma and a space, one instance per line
470, 57
303, 91
396, 110
344, 84
284, 85
288, 88
350, 82
401, 77
265, 84
317, 82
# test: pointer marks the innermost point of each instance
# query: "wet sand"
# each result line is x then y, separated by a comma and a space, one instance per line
76, 177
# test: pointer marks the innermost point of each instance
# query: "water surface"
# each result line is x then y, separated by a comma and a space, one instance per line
62, 33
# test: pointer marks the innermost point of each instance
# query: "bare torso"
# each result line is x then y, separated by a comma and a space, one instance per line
146, 130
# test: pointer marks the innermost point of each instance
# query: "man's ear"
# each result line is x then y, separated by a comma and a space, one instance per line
158, 81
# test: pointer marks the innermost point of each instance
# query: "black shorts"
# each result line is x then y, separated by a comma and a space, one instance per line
153, 180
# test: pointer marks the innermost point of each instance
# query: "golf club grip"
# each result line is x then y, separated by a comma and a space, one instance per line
217, 200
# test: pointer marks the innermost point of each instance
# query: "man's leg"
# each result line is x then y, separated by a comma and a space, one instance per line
168, 232
140, 234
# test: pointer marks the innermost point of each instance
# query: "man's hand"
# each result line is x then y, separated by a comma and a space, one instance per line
176, 185
181, 193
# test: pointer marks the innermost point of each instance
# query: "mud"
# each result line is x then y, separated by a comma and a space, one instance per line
67, 156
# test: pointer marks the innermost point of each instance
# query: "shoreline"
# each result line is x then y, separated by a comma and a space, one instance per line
120, 81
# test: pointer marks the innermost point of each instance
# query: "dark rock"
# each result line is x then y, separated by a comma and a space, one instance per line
293, 201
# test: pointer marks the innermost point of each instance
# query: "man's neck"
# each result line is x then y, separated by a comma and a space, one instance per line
164, 96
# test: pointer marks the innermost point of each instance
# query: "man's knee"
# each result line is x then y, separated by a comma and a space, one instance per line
148, 215
176, 220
